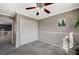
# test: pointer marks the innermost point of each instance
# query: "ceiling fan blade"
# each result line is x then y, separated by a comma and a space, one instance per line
37, 13
30, 8
46, 11
46, 4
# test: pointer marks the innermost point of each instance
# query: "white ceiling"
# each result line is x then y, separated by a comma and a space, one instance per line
11, 8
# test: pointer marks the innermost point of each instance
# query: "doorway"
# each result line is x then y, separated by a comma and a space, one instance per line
5, 32
6, 38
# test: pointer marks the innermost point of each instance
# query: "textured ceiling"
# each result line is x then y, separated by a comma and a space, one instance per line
11, 8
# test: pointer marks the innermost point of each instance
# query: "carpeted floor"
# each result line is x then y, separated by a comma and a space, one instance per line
5, 47
38, 48
33, 48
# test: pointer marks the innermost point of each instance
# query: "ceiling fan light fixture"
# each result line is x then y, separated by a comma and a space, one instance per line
40, 9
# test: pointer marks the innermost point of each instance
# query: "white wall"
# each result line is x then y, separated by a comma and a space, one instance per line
27, 30
50, 32
5, 20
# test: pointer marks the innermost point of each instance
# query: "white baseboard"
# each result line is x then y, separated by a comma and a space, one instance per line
52, 44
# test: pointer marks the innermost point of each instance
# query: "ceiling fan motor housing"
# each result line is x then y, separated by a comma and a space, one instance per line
40, 5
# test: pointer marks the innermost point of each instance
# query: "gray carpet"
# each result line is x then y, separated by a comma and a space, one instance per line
5, 47
33, 48
38, 48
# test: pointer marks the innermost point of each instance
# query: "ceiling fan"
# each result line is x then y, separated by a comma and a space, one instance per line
39, 7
